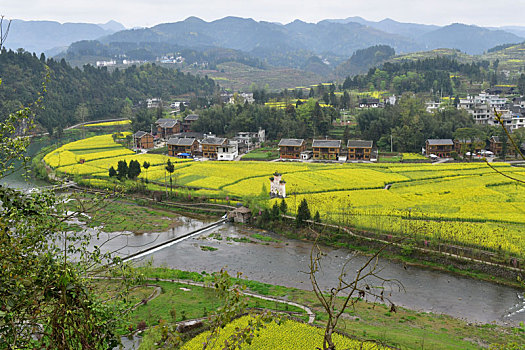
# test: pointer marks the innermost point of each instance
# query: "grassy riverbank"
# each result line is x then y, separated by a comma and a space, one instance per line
404, 329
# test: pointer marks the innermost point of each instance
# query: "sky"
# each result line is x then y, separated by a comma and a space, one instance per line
147, 13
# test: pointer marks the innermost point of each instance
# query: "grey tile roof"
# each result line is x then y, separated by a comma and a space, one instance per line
495, 138
177, 141
213, 141
170, 123
327, 143
191, 134
162, 120
439, 142
291, 142
192, 117
360, 144
140, 134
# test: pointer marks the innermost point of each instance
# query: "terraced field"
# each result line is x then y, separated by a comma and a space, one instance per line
465, 203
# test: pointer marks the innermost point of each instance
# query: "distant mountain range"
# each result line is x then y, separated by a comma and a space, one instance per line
53, 37
341, 37
321, 47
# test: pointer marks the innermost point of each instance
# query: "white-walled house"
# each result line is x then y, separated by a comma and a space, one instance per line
228, 151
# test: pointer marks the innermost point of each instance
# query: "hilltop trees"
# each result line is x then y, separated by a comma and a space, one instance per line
297, 121
104, 93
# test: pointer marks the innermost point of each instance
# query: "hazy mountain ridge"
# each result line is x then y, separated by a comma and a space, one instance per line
340, 37
468, 38
45, 36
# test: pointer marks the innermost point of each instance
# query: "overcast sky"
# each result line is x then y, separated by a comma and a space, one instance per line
146, 13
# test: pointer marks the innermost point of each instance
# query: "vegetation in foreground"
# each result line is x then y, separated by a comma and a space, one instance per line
405, 329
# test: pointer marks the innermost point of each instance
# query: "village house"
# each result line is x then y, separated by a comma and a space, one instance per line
210, 146
369, 103
142, 139
326, 149
247, 140
229, 151
291, 148
465, 145
184, 146
188, 121
439, 147
167, 127
482, 107
359, 149
154, 102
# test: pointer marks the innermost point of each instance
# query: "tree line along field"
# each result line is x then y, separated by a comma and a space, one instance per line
465, 203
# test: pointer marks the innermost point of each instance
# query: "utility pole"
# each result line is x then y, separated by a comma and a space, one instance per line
391, 145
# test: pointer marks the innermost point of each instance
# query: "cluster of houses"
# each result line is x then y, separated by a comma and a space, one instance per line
327, 150
483, 109
183, 142
444, 148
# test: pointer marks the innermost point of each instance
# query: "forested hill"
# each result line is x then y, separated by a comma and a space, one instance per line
104, 93
431, 74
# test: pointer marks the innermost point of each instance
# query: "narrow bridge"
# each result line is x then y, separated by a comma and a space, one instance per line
173, 241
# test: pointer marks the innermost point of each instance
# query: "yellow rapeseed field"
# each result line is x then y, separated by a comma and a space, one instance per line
287, 335
467, 203
113, 123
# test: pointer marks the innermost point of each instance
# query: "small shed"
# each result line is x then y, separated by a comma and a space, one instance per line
241, 215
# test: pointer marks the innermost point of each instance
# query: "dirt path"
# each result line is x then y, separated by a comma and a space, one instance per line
158, 290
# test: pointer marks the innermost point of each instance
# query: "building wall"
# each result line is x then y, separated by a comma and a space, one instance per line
291, 152
440, 150
145, 142
326, 153
357, 153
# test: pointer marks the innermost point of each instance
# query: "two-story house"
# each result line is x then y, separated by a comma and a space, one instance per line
439, 147
210, 146
359, 149
142, 139
291, 148
177, 145
326, 149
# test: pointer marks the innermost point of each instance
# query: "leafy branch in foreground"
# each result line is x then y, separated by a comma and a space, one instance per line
47, 299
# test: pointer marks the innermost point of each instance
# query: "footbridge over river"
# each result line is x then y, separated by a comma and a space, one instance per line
173, 241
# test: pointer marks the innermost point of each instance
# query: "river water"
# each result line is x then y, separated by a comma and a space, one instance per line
285, 263
17, 178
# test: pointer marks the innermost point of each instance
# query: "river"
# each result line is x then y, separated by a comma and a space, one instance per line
285, 263
17, 178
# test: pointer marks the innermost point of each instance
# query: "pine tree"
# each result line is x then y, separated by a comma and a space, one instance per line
275, 212
283, 206
303, 214
134, 169
112, 172
122, 170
